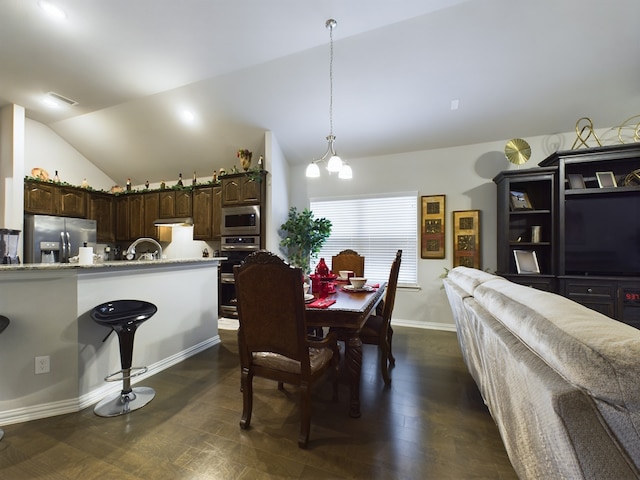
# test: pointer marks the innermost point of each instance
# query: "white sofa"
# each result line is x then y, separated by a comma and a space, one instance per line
561, 381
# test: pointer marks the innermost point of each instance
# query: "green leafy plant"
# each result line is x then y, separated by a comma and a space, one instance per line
303, 236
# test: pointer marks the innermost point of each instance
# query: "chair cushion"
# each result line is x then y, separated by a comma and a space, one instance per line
318, 358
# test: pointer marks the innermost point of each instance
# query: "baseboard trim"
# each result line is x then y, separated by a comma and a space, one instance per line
45, 410
447, 327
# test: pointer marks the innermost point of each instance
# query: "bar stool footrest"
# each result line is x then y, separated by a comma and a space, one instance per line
133, 372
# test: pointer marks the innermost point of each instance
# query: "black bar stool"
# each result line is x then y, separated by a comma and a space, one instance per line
124, 316
4, 323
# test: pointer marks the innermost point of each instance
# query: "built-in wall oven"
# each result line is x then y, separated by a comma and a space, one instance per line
241, 220
235, 248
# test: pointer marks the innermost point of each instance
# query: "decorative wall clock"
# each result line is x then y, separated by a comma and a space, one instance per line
517, 151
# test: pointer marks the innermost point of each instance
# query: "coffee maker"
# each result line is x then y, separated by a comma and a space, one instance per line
9, 246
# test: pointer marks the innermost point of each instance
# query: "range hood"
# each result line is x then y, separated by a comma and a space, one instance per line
177, 221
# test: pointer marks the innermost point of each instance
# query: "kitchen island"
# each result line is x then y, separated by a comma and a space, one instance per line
49, 306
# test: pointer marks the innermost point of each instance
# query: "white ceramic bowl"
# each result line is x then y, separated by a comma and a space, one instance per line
358, 282
346, 273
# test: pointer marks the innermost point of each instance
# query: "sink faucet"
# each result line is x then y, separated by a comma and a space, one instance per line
130, 253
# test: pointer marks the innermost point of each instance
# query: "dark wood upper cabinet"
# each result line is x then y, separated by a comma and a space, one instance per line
136, 217
151, 212
242, 189
175, 203
40, 198
72, 202
207, 213
102, 209
122, 218
183, 203
53, 199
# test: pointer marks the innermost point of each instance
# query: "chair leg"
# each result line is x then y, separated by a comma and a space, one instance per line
392, 359
384, 360
246, 380
305, 415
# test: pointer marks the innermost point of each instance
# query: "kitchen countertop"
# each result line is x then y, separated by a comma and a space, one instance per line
116, 264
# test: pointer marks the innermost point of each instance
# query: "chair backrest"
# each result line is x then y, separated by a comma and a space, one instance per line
390, 296
271, 309
348, 260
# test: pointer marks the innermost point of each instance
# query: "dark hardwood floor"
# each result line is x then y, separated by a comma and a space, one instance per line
430, 424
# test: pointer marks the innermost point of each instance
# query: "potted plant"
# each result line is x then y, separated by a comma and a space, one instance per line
303, 236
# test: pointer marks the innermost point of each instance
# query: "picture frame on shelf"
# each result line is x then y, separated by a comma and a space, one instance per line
526, 261
606, 179
466, 238
576, 181
520, 201
432, 226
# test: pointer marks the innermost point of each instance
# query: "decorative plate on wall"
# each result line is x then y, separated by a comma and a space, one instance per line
517, 151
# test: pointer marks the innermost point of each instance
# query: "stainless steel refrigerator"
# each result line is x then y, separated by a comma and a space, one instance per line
50, 239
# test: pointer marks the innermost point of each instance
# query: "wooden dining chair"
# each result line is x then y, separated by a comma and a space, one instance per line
348, 260
272, 336
377, 329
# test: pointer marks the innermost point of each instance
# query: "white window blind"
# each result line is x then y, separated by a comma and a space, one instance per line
375, 228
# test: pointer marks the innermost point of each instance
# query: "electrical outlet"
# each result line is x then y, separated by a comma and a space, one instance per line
43, 364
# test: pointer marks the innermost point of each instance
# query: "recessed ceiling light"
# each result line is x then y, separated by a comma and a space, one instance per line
187, 116
52, 10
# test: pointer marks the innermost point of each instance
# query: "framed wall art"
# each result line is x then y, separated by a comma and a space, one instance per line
432, 238
466, 238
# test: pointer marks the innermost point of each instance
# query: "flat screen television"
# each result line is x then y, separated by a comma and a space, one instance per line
602, 235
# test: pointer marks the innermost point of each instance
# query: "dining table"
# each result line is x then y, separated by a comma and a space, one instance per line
347, 315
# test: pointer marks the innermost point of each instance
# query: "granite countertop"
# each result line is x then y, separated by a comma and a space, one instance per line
118, 264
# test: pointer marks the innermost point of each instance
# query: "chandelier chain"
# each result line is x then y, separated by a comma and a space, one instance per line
330, 26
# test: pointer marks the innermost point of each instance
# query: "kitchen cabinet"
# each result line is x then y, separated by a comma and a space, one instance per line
136, 217
243, 189
151, 207
53, 199
122, 218
175, 203
207, 213
40, 198
72, 202
102, 210
135, 214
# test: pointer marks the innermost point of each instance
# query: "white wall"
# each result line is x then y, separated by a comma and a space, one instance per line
277, 203
464, 174
46, 149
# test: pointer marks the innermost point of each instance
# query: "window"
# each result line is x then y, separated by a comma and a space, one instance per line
375, 227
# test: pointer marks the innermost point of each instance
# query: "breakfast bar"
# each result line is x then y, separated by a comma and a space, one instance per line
49, 307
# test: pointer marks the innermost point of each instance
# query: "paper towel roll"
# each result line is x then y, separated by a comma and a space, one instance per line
86, 256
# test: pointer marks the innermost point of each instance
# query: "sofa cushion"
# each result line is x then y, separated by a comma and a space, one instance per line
469, 278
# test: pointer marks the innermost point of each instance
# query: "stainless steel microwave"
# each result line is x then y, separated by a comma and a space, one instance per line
241, 220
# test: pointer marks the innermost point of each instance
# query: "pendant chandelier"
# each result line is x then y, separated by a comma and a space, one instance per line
333, 161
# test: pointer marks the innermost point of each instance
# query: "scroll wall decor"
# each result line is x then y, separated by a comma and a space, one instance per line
432, 232
466, 238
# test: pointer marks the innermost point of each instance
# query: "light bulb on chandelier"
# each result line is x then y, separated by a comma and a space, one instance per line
334, 162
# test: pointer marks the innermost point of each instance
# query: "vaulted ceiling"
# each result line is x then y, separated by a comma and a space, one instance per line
242, 67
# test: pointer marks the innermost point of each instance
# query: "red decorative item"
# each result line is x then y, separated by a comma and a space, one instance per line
322, 269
